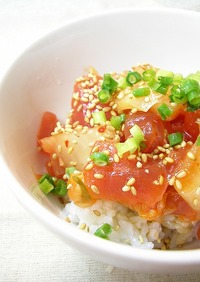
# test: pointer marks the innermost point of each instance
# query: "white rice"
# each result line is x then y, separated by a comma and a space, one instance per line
129, 228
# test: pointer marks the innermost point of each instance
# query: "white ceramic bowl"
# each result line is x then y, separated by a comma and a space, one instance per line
42, 79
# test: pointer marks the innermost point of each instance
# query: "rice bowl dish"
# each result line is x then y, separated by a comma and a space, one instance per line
159, 238
134, 181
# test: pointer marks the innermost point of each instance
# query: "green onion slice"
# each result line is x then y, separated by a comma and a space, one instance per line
99, 117
61, 187
189, 85
138, 134
104, 96
46, 186
103, 231
194, 98
141, 92
116, 121
175, 138
177, 95
100, 158
122, 83
133, 77
164, 111
164, 73
128, 146
148, 75
109, 83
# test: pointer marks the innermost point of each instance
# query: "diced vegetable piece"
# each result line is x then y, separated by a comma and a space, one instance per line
103, 231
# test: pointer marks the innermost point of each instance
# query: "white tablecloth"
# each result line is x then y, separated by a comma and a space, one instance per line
28, 252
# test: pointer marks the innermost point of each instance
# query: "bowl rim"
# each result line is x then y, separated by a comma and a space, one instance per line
108, 248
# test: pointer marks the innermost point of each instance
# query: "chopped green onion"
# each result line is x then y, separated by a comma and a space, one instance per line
147, 75
177, 78
164, 73
162, 89
175, 138
164, 111
116, 121
194, 98
154, 84
100, 158
141, 92
69, 171
189, 85
138, 134
164, 80
128, 146
99, 117
131, 144
133, 77
46, 186
195, 76
122, 83
177, 95
46, 176
104, 96
61, 187
198, 141
109, 83
103, 231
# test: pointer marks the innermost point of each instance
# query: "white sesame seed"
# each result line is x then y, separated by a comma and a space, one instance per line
191, 156
77, 172
198, 191
95, 189
181, 174
98, 176
172, 180
195, 202
133, 190
139, 165
169, 160
96, 212
126, 188
70, 149
89, 166
131, 181
178, 184
116, 158
131, 157
54, 156
72, 163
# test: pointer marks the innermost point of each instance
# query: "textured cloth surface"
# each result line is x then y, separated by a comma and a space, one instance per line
28, 252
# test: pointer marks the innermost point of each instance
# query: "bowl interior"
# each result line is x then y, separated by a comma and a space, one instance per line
42, 78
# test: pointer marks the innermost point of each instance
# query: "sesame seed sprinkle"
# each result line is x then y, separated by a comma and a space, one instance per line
126, 188
89, 166
198, 191
195, 202
70, 149
172, 180
96, 212
178, 184
98, 176
116, 158
133, 190
181, 174
131, 181
95, 189
139, 164
191, 156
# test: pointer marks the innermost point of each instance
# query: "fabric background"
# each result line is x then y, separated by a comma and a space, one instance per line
28, 252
